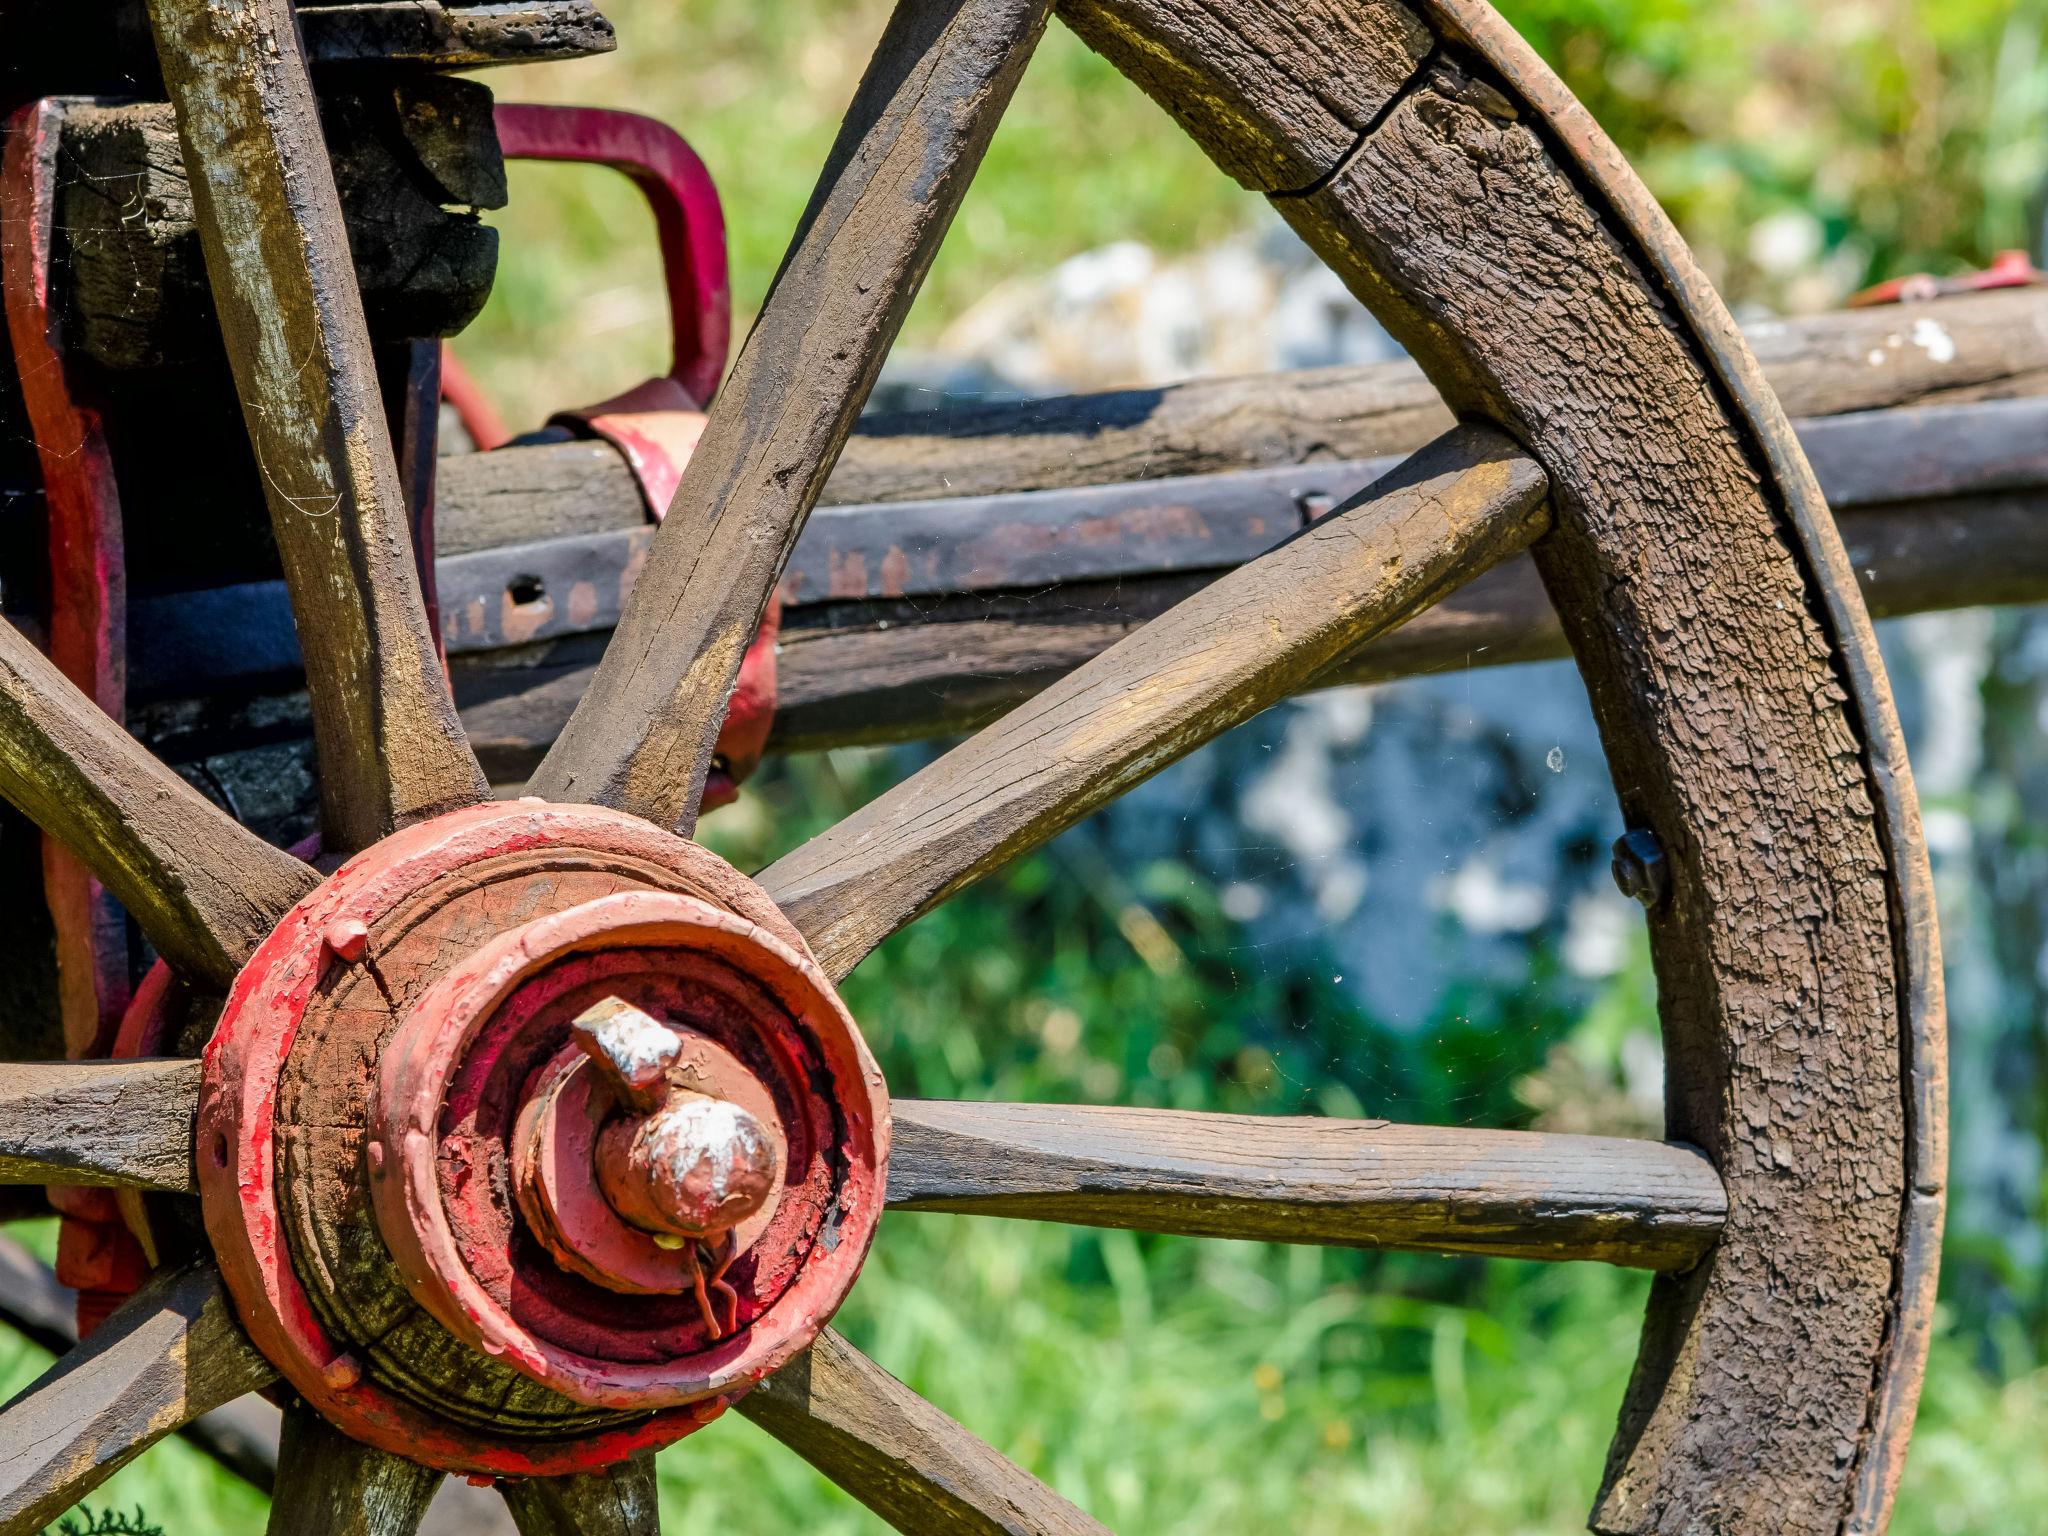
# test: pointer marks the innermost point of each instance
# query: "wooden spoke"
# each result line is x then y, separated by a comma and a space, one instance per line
205, 889
898, 1454
277, 257
619, 1501
1457, 507
330, 1485
126, 1123
641, 738
170, 1353
1358, 1183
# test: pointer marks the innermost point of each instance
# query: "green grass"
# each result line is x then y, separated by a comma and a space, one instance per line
1178, 1388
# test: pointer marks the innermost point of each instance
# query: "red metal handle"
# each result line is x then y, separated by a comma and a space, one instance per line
688, 219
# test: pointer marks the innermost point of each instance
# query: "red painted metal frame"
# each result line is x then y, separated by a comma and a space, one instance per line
87, 580
689, 221
2008, 269
237, 1159
96, 1253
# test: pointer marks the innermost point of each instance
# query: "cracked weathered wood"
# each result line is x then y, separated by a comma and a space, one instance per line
900, 1456
1976, 347
620, 1501
168, 1354
1303, 1179
330, 1485
1461, 505
277, 259
206, 890
241, 1435
1734, 676
944, 70
121, 1123
1278, 92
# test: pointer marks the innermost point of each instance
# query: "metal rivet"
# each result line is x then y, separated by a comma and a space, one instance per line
1641, 869
342, 1372
348, 938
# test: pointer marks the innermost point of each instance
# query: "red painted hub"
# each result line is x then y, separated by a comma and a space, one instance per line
466, 1235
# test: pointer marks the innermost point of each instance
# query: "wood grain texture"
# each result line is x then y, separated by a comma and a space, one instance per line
1984, 346
122, 1123
1715, 667
330, 1485
619, 1501
1302, 1179
170, 1353
883, 672
1278, 92
203, 888
241, 1435
943, 72
277, 258
1466, 502
900, 1456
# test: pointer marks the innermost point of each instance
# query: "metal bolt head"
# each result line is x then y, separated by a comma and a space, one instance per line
632, 1048
1641, 869
348, 938
695, 1168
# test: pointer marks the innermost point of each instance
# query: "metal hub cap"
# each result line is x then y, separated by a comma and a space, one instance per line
532, 1137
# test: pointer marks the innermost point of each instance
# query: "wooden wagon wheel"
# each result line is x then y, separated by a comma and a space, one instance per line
442, 1073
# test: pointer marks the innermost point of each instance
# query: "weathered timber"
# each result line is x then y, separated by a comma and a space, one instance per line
391, 749
330, 1485
881, 672
1031, 540
900, 1456
619, 1501
1984, 346
1296, 1179
168, 1354
1746, 722
123, 1123
205, 890
241, 1435
1466, 502
414, 159
641, 739
456, 34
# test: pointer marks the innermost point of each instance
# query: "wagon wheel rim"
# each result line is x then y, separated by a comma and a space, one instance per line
1447, 178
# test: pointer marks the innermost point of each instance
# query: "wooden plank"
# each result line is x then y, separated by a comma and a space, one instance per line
1954, 351
900, 1456
204, 889
241, 1435
641, 739
1016, 546
330, 1485
277, 258
1294, 1179
619, 1501
121, 1123
899, 672
1459, 506
170, 1353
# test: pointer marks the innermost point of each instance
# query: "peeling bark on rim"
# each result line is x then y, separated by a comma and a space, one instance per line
1492, 227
